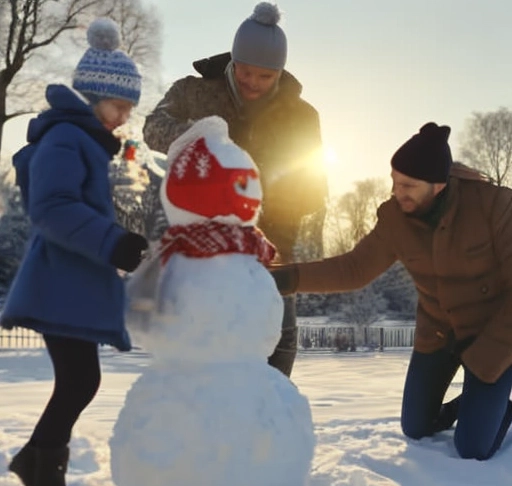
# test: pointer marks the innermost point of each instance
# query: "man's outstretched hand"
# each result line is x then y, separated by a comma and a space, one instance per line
286, 277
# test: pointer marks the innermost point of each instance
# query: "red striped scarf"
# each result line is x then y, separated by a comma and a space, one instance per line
204, 240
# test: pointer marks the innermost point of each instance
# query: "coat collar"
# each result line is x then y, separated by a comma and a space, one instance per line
214, 67
458, 174
452, 202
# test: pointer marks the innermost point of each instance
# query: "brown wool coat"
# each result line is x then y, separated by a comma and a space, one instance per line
283, 139
462, 270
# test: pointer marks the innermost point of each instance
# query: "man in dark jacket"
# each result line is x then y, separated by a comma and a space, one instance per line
261, 103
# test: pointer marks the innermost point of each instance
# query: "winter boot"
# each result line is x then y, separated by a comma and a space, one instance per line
51, 466
447, 415
23, 464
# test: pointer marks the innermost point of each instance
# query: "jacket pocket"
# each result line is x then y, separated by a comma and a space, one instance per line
479, 260
480, 250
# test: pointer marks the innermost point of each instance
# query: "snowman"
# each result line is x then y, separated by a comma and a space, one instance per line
208, 410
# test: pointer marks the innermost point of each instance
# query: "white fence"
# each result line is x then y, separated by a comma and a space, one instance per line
20, 338
346, 338
316, 336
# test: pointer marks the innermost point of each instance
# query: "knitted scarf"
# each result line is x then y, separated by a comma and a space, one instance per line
205, 240
247, 109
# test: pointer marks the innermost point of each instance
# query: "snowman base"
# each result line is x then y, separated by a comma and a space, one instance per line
228, 424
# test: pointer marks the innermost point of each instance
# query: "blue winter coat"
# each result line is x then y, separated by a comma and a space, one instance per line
65, 284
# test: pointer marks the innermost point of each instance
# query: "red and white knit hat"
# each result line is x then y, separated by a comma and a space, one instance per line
210, 178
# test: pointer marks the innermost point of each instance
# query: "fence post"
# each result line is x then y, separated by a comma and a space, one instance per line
352, 339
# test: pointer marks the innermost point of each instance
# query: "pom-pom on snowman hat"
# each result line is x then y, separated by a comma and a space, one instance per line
210, 178
104, 71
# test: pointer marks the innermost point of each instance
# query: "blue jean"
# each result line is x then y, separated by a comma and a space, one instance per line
485, 411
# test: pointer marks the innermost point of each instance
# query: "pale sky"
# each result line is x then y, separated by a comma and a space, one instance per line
375, 70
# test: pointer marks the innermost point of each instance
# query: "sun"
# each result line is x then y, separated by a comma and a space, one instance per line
334, 171
331, 159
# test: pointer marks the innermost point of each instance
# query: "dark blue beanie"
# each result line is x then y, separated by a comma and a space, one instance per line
426, 155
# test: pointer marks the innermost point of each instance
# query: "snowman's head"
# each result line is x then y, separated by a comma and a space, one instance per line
209, 177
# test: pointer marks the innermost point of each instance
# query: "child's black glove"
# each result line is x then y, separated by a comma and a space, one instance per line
127, 252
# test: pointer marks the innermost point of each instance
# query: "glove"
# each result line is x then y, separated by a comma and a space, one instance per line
127, 252
286, 278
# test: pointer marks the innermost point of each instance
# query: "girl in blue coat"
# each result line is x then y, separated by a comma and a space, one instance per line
67, 286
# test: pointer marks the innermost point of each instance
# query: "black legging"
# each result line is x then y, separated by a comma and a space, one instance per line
77, 379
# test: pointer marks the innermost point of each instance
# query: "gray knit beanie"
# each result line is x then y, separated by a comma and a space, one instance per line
259, 41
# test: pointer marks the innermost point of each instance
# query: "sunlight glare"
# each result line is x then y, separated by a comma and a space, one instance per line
334, 170
331, 160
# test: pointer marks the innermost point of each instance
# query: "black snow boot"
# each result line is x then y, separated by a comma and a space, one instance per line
447, 415
23, 464
51, 466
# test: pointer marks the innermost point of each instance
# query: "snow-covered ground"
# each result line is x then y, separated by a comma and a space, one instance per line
355, 399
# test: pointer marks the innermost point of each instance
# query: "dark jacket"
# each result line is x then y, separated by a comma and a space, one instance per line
65, 284
283, 138
462, 269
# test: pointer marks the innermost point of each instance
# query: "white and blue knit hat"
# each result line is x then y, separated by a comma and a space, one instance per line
259, 41
105, 71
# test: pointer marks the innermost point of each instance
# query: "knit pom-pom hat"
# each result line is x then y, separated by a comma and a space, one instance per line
210, 177
105, 71
259, 41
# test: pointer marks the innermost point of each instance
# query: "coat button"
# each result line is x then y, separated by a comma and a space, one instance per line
439, 334
484, 289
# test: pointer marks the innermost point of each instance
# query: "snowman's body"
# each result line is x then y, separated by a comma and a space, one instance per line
209, 410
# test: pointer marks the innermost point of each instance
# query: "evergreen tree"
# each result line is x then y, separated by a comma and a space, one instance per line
397, 288
14, 231
136, 174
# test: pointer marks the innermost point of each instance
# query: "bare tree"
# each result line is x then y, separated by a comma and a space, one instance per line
141, 38
486, 144
25, 27
353, 215
309, 245
29, 27
135, 23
